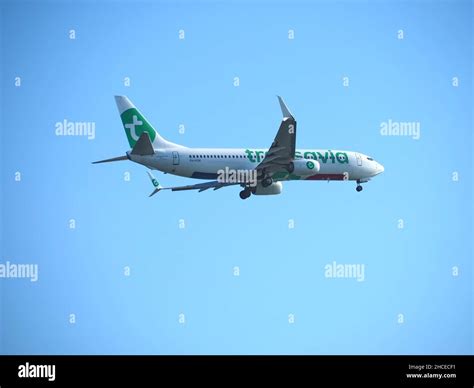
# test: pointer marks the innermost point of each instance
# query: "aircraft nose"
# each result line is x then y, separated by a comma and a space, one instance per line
380, 168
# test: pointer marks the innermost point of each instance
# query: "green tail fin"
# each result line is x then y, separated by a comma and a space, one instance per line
134, 122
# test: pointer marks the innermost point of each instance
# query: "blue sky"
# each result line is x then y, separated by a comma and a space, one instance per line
189, 270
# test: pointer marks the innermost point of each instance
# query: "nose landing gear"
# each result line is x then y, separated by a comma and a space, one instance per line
359, 181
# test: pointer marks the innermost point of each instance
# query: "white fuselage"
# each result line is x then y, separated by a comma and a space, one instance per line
204, 163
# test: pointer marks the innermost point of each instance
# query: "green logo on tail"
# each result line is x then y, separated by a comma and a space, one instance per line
135, 124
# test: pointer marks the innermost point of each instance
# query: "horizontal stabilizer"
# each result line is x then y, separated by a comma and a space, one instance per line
143, 145
118, 158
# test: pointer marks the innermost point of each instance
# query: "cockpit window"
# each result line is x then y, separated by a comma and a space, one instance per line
369, 158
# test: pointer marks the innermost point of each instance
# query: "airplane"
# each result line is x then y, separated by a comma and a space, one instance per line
257, 171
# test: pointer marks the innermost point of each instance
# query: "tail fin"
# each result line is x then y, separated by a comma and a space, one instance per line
135, 124
156, 184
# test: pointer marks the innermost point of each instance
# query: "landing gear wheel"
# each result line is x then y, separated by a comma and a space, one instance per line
359, 188
290, 168
244, 194
267, 182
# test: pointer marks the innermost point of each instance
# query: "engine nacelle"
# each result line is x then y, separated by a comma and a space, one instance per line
306, 167
274, 188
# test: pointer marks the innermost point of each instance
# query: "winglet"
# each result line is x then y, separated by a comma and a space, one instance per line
155, 183
284, 109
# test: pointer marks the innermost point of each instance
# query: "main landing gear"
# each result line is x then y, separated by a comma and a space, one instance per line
359, 188
264, 180
267, 181
245, 193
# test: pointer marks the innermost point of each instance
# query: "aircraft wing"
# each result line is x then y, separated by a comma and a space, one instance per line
282, 150
199, 186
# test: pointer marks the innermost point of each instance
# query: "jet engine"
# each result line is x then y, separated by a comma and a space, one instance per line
306, 167
274, 188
